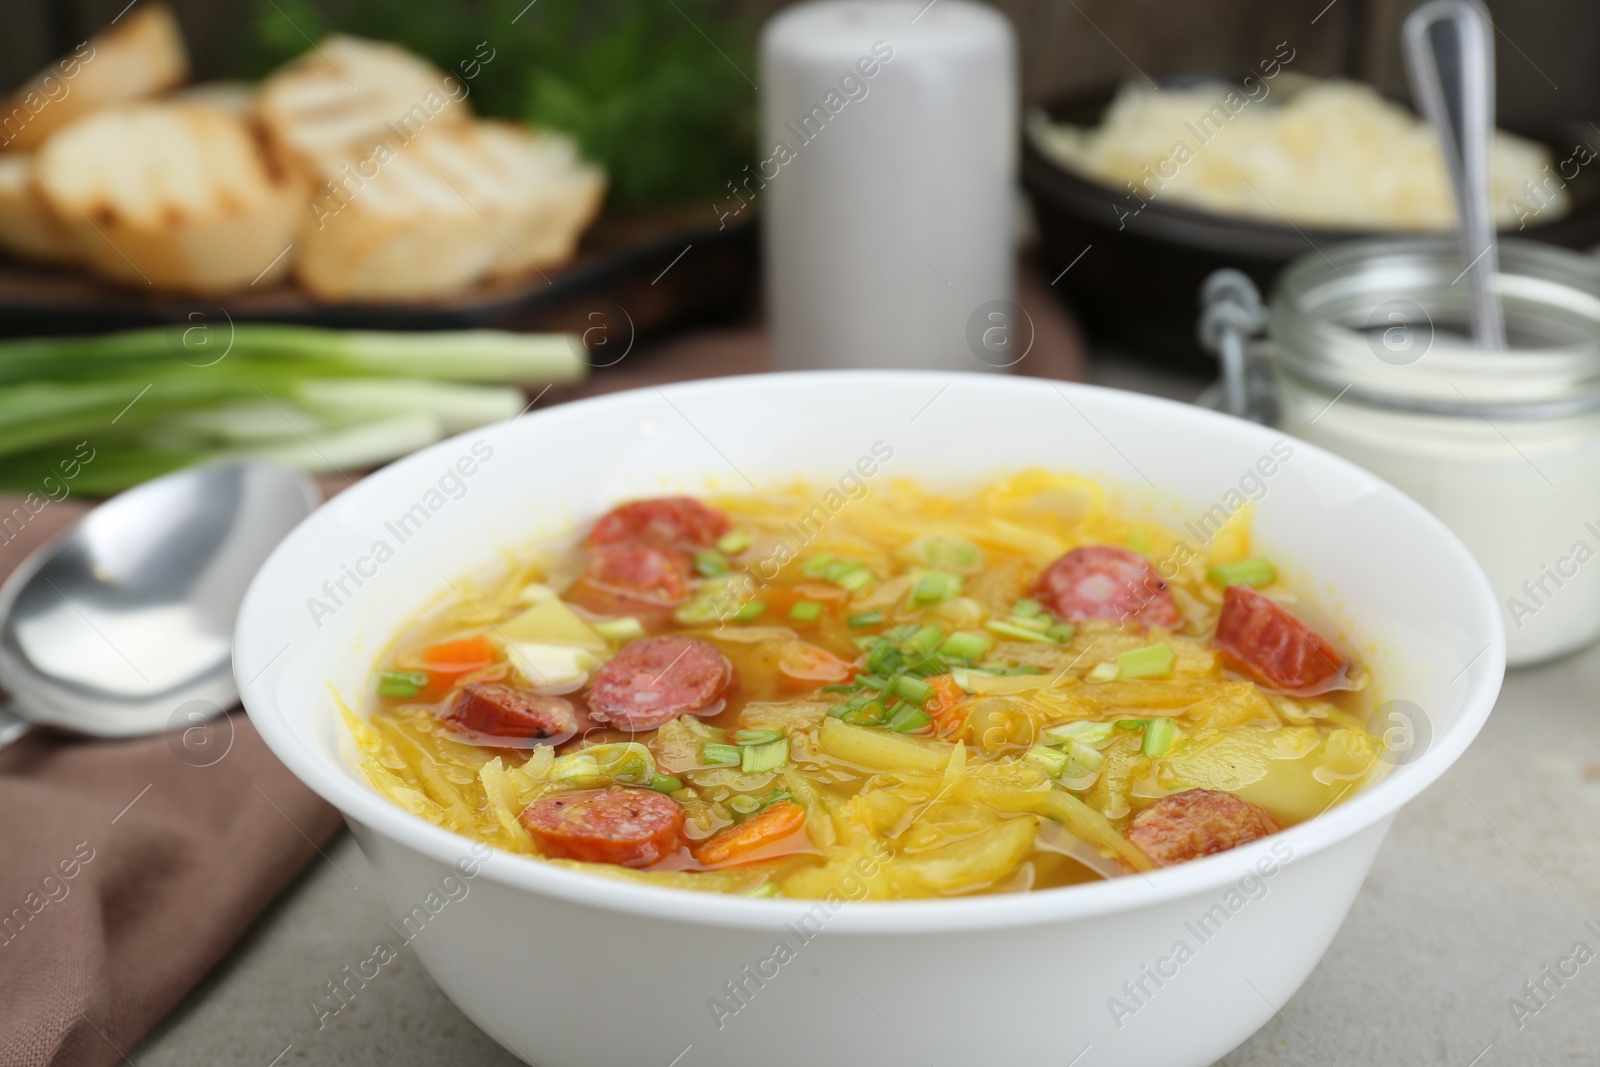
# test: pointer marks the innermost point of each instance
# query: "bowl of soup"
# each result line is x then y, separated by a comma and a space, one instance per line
885, 716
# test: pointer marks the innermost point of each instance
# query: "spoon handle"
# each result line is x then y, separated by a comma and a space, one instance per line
11, 727
1449, 48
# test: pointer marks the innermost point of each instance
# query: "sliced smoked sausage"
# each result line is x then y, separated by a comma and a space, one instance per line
669, 520
651, 574
1257, 637
1197, 822
1106, 582
505, 711
629, 827
653, 680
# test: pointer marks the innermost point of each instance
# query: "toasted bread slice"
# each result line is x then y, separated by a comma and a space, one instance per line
139, 55
442, 212
28, 229
348, 93
181, 196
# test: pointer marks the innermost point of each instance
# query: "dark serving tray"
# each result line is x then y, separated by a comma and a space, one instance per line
1138, 286
660, 270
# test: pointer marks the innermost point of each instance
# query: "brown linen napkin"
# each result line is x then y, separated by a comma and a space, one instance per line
129, 868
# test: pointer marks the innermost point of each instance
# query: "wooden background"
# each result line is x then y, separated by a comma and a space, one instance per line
1548, 50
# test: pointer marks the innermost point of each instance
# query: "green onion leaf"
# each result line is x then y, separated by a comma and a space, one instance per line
750, 610
1104, 672
1152, 661
935, 586
866, 618
1253, 572
401, 683
756, 737
909, 720
1008, 628
715, 755
806, 611
711, 564
624, 629
963, 644
759, 759
1159, 734
913, 689
733, 543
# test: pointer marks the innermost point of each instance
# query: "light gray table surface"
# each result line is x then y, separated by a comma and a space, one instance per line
1485, 880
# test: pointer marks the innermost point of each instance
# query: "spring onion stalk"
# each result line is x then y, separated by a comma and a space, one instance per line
623, 629
1253, 572
1104, 672
759, 759
750, 610
1131, 725
733, 543
908, 720
1008, 628
1159, 734
926, 639
913, 689
715, 755
966, 645
1152, 661
401, 683
806, 611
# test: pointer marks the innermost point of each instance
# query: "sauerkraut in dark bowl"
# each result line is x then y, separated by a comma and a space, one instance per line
1023, 690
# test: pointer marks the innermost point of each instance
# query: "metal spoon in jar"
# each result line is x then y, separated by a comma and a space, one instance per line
1449, 47
126, 618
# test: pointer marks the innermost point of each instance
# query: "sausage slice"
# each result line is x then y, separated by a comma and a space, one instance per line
1106, 582
628, 827
1257, 637
499, 710
653, 680
652, 574
669, 520
1197, 822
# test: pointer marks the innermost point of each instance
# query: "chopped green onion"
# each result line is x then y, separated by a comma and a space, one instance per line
857, 579
623, 629
1104, 672
1008, 628
884, 659
866, 618
733, 543
909, 720
1151, 661
1159, 734
963, 644
946, 553
1088, 733
401, 683
869, 714
665, 783
1061, 632
1253, 572
806, 611
750, 610
711, 564
935, 586
759, 759
926, 639
756, 737
716, 755
1026, 608
1051, 761
913, 689
1130, 724
817, 566
1037, 623
874, 681
866, 642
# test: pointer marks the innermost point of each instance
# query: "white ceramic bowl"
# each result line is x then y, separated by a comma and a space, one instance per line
565, 969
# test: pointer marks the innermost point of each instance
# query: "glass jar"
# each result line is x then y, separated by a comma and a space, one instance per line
1369, 347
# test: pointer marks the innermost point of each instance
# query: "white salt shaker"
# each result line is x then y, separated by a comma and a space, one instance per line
886, 176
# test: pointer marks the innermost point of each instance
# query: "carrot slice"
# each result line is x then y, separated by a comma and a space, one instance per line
734, 845
941, 707
475, 651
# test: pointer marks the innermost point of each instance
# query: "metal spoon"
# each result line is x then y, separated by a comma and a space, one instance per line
128, 615
1449, 46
